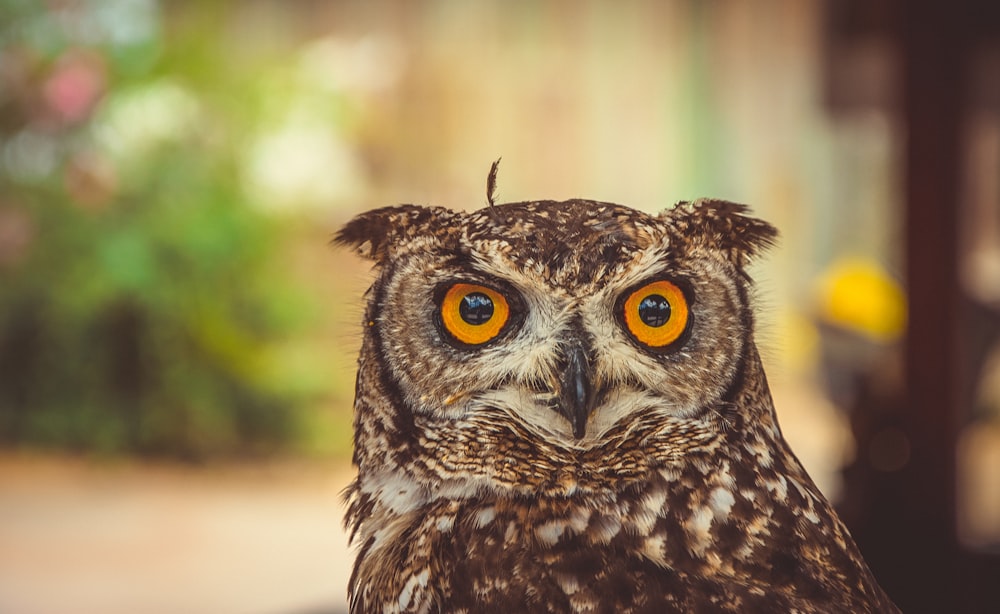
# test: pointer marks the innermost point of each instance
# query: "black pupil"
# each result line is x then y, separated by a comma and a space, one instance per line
654, 310
476, 308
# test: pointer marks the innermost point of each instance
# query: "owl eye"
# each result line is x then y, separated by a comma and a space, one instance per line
656, 314
473, 314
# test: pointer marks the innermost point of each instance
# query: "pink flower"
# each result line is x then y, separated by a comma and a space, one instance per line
76, 84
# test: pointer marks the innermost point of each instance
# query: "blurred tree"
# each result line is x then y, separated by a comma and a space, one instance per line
140, 295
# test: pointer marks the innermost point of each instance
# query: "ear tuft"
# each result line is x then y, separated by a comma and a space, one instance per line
376, 234
723, 225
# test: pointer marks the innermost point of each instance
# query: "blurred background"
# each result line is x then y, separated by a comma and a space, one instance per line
177, 340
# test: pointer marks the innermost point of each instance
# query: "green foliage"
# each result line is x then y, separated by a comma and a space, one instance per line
143, 305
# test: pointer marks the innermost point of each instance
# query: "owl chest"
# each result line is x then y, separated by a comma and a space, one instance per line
551, 568
636, 554
541, 556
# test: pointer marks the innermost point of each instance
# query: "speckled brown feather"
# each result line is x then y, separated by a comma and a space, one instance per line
682, 496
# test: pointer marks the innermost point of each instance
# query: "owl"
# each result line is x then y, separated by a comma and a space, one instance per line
560, 408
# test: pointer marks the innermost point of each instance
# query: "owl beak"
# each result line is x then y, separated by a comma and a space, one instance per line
576, 396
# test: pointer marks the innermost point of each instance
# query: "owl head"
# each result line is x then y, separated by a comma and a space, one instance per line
504, 344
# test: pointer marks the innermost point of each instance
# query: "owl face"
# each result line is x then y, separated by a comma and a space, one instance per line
567, 324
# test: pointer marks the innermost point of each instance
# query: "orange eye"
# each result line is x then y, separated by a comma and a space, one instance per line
656, 314
474, 314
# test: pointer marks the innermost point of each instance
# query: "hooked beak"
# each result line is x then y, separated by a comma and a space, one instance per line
576, 395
